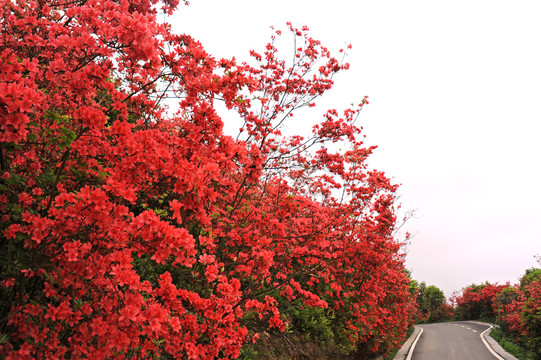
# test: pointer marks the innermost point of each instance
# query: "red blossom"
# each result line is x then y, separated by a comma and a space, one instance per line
137, 231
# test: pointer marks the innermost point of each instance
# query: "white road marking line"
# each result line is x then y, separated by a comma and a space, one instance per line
488, 346
474, 330
410, 354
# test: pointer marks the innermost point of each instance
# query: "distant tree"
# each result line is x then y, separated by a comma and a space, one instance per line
431, 304
420, 295
476, 301
413, 286
433, 297
531, 275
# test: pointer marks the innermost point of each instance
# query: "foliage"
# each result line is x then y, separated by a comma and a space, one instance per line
393, 353
432, 305
531, 275
519, 312
516, 309
509, 346
476, 302
313, 323
130, 232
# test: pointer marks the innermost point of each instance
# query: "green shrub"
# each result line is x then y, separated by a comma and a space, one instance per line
511, 347
314, 322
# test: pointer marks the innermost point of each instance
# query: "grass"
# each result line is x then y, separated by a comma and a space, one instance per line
509, 346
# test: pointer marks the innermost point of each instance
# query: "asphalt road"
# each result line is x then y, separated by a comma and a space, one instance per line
459, 340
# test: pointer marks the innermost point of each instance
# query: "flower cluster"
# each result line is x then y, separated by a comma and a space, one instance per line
131, 232
515, 308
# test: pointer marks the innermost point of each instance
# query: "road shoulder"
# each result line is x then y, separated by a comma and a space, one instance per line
493, 343
402, 354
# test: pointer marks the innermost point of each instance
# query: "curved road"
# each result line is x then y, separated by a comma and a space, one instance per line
452, 341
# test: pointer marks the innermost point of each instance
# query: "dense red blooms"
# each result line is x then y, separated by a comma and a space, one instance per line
476, 301
515, 308
132, 232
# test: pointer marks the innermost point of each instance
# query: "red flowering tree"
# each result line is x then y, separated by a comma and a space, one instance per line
476, 301
518, 310
514, 308
129, 232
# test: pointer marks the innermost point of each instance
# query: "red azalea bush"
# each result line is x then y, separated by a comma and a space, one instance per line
131, 233
476, 301
444, 312
531, 318
518, 310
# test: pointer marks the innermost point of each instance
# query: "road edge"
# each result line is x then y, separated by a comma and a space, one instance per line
409, 344
492, 344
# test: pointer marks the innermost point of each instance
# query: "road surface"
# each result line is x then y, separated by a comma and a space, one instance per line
452, 341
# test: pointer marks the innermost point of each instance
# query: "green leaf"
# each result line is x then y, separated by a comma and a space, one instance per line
68, 136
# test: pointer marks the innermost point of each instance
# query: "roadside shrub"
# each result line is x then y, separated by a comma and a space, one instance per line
516, 309
130, 231
476, 302
530, 317
315, 323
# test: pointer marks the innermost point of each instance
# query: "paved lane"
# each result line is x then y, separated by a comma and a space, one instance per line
452, 341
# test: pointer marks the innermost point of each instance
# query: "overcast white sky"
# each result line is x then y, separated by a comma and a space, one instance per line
455, 90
